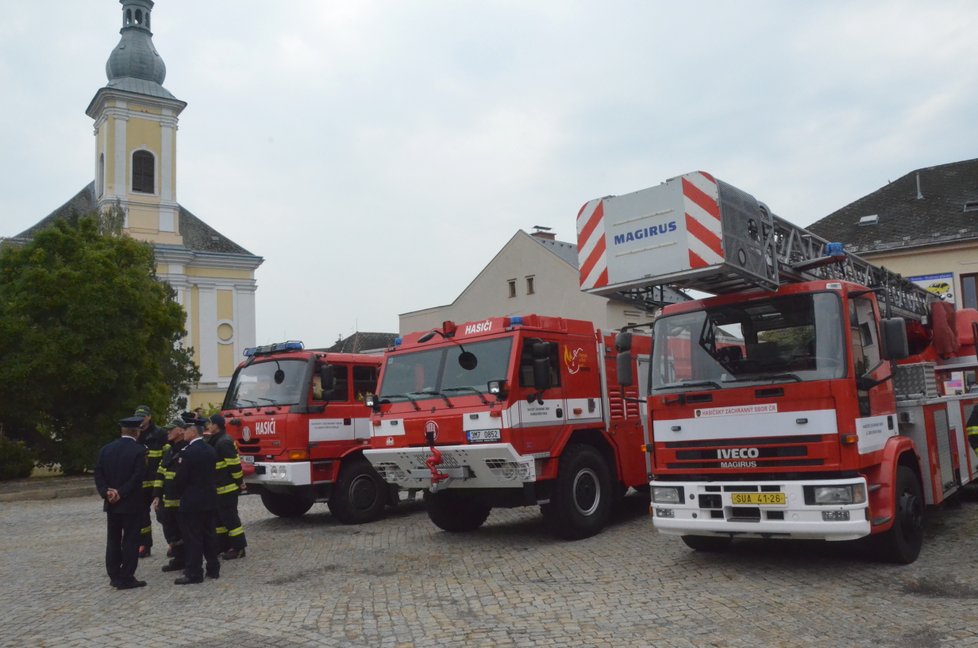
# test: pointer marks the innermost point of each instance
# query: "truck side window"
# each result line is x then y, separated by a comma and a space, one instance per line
341, 385
865, 347
364, 381
526, 363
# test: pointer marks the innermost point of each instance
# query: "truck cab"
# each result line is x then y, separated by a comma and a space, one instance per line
300, 424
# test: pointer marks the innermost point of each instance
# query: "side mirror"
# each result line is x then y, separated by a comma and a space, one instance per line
623, 362
894, 332
623, 342
327, 377
541, 365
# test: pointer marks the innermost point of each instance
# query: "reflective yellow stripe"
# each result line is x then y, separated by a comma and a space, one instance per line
154, 453
224, 490
221, 465
237, 475
168, 474
168, 503
221, 530
149, 483
973, 430
234, 461
236, 532
158, 483
147, 530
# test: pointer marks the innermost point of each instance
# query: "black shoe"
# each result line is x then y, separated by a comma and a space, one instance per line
131, 584
173, 565
233, 554
186, 580
215, 575
115, 582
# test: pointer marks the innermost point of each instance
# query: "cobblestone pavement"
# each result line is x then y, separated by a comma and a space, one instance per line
403, 582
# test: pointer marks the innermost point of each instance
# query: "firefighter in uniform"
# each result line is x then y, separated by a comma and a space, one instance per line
195, 483
154, 439
971, 427
166, 503
230, 482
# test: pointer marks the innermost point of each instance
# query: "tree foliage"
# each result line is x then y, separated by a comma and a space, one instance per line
87, 332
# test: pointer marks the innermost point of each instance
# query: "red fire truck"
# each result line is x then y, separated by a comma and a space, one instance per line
805, 399
510, 411
299, 421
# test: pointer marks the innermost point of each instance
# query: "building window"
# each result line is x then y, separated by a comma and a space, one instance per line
512, 287
969, 290
529, 285
143, 172
100, 180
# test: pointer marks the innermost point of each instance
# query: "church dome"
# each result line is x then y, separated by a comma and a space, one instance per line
135, 55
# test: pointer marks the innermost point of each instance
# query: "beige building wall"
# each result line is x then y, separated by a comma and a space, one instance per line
958, 259
525, 278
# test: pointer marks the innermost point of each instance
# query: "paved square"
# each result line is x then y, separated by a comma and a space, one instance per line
403, 582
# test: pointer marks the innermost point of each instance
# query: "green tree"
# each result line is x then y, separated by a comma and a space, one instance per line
87, 332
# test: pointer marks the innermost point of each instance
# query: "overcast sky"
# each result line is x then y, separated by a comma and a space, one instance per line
378, 154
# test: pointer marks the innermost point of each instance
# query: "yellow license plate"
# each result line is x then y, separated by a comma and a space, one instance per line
758, 499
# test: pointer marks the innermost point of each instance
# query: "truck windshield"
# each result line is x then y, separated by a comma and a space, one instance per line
783, 339
441, 372
272, 382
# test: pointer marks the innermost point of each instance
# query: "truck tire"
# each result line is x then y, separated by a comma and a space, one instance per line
455, 512
359, 495
902, 543
286, 505
711, 544
582, 498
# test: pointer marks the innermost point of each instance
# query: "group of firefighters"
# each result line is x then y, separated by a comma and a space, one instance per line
191, 477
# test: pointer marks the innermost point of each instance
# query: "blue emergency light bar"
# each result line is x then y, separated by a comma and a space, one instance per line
278, 347
516, 320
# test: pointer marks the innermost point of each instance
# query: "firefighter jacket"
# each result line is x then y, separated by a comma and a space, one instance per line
971, 427
154, 439
229, 474
163, 487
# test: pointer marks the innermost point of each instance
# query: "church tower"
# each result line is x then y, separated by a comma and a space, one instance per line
136, 133
136, 169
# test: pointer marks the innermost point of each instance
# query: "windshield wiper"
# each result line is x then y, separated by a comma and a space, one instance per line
778, 376
413, 400
692, 383
482, 396
433, 392
271, 401
245, 400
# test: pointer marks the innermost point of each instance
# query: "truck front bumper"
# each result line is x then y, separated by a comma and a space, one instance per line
763, 509
487, 465
292, 473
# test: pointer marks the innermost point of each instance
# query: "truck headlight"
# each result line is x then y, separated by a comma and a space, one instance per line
847, 494
667, 494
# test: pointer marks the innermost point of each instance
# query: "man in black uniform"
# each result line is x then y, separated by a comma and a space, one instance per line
230, 480
154, 439
119, 473
195, 483
165, 500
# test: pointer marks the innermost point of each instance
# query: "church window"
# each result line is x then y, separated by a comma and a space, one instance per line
100, 180
143, 172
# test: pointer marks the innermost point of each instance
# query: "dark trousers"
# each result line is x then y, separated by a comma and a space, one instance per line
122, 546
230, 530
167, 517
199, 543
145, 520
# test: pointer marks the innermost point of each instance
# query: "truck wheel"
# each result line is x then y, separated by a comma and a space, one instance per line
582, 497
711, 544
455, 512
286, 505
359, 495
902, 543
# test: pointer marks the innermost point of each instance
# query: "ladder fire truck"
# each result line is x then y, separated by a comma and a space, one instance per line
511, 411
806, 398
299, 421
